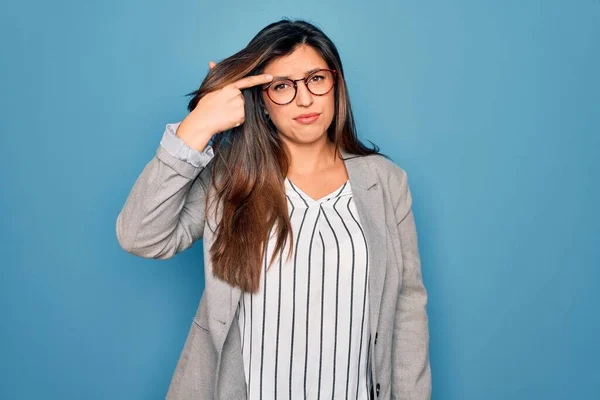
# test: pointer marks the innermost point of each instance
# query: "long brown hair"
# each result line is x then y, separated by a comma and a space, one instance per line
251, 161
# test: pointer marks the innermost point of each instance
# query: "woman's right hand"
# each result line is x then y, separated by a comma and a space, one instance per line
218, 111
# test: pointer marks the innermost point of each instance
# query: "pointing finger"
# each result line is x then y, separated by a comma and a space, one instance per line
253, 80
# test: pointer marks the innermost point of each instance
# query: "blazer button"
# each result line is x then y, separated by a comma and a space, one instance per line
377, 390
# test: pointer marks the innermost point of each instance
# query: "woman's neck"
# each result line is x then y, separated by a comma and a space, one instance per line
308, 159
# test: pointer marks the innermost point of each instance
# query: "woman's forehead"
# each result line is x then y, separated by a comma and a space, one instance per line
300, 75
296, 65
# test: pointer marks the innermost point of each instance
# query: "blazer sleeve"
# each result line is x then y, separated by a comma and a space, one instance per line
411, 368
164, 212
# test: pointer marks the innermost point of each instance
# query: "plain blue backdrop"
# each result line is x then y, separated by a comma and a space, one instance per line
492, 108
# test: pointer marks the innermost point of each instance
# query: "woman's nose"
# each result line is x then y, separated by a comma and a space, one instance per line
304, 96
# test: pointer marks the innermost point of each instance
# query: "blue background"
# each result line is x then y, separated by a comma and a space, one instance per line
492, 107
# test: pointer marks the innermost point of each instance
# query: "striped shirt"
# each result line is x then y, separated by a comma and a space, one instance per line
305, 333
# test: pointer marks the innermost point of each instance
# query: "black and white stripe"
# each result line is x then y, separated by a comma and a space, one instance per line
305, 333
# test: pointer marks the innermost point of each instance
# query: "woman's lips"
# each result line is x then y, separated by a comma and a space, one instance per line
307, 120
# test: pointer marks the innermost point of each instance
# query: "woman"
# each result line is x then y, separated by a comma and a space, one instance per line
313, 278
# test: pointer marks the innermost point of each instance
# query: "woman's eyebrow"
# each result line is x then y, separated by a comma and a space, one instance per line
305, 75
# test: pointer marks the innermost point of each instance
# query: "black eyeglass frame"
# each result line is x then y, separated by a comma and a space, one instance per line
333, 71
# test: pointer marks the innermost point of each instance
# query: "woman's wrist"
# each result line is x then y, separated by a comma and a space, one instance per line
196, 140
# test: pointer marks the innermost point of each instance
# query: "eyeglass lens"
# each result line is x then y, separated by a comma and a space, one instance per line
283, 91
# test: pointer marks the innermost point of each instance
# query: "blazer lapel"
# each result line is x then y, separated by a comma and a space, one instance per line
368, 198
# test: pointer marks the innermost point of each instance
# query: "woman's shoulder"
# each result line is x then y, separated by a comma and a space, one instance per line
385, 167
380, 163
394, 181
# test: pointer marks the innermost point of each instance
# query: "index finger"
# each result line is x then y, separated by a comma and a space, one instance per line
253, 80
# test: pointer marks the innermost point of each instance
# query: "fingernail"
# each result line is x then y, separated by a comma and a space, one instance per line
268, 77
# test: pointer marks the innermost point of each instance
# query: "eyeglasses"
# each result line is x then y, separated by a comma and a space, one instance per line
319, 83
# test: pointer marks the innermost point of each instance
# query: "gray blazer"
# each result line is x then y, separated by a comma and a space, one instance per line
164, 214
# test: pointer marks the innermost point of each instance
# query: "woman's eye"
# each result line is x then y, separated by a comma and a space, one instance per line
279, 86
317, 78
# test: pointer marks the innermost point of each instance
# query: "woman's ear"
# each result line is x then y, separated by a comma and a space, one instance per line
263, 107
